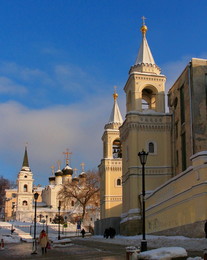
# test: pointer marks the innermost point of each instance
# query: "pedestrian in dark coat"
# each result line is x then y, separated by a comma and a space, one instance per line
106, 233
83, 232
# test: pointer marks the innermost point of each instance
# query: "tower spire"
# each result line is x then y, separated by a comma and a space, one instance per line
115, 116
145, 62
144, 54
25, 160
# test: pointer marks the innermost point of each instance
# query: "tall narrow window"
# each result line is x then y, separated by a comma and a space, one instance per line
118, 182
176, 158
151, 147
129, 100
176, 129
182, 105
25, 188
183, 143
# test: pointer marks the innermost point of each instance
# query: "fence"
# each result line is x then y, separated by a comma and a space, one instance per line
50, 229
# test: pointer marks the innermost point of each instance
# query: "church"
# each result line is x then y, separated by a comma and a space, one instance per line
176, 166
19, 204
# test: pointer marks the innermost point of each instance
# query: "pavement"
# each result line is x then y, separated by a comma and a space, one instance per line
76, 250
72, 252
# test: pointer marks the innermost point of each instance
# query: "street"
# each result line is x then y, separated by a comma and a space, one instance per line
78, 249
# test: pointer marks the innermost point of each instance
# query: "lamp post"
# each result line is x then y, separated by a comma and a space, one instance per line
59, 220
143, 159
36, 195
46, 224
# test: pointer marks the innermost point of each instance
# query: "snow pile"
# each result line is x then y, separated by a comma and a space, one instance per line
190, 244
163, 253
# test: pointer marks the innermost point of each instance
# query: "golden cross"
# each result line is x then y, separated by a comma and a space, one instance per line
58, 163
53, 169
143, 20
82, 166
67, 156
75, 171
115, 87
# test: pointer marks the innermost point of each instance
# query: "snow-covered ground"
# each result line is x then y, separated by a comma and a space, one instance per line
175, 243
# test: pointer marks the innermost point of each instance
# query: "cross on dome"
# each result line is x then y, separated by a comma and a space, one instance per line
143, 20
53, 169
58, 163
67, 153
82, 166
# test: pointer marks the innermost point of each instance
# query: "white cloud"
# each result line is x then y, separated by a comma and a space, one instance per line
50, 131
74, 79
25, 74
8, 86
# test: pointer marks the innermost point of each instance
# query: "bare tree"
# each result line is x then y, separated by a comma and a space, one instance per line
4, 184
84, 190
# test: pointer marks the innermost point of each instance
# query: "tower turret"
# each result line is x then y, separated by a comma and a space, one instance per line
24, 190
58, 175
110, 168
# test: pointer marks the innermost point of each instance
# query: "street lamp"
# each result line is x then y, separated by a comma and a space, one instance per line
143, 159
36, 195
59, 220
46, 224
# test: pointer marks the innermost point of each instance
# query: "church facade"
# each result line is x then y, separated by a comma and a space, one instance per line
176, 168
19, 204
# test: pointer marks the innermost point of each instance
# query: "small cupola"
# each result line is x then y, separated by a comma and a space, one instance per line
67, 170
82, 175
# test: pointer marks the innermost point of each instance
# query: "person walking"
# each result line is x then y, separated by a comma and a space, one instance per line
43, 240
83, 232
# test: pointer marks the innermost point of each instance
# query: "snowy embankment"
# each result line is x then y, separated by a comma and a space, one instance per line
166, 247
190, 244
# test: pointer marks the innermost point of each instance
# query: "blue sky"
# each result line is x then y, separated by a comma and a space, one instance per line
59, 62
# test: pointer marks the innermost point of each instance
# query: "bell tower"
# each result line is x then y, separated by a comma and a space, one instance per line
111, 165
147, 127
25, 191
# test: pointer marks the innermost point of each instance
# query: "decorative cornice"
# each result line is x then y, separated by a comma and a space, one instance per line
112, 198
149, 171
147, 124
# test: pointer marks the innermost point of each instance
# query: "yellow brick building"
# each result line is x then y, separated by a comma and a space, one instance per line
176, 168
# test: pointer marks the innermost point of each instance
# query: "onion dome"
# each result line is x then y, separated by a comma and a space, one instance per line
58, 173
82, 175
67, 170
75, 179
52, 178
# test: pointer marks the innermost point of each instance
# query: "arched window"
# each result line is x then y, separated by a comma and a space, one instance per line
72, 203
25, 188
24, 203
118, 182
148, 98
117, 153
151, 147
